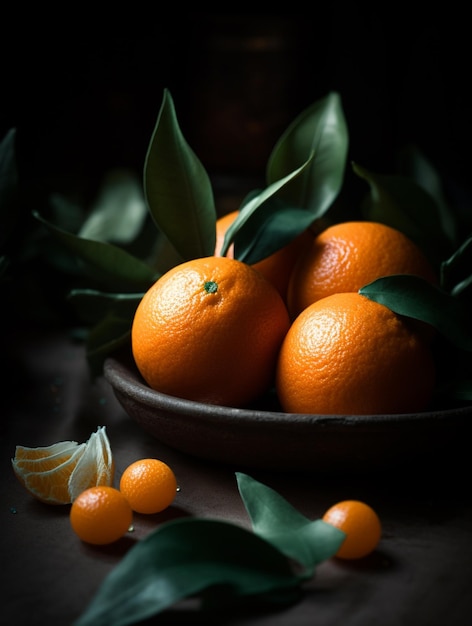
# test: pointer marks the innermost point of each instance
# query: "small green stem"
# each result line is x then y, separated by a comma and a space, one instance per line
210, 286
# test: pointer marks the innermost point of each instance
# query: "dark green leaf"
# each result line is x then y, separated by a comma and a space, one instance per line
183, 558
8, 186
109, 264
177, 188
107, 336
417, 166
252, 216
274, 519
119, 212
268, 230
456, 272
91, 305
320, 130
460, 390
402, 203
65, 213
4, 265
414, 297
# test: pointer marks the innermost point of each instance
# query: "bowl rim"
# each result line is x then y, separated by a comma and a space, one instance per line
123, 375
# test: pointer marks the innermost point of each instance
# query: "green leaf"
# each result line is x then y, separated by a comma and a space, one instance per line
402, 203
414, 297
177, 188
456, 272
420, 169
269, 230
91, 304
8, 186
186, 557
119, 212
4, 265
320, 130
274, 519
106, 337
260, 212
106, 262
460, 390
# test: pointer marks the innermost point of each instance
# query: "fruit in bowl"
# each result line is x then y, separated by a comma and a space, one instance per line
400, 248
210, 330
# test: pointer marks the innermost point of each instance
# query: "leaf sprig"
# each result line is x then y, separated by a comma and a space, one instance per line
304, 180
217, 561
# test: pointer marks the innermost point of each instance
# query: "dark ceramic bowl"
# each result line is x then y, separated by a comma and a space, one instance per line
273, 440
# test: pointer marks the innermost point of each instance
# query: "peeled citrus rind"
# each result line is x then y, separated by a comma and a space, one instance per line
95, 467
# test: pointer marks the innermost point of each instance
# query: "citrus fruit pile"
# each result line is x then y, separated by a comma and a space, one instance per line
82, 475
101, 515
220, 331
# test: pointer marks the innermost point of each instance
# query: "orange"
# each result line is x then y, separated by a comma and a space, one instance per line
100, 515
56, 474
149, 485
346, 354
278, 266
210, 330
360, 523
349, 255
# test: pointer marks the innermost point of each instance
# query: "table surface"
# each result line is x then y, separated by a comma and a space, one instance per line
420, 574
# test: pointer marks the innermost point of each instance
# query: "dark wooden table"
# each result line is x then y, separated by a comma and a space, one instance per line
420, 574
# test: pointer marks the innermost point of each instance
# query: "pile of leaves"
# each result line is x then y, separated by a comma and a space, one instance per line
122, 247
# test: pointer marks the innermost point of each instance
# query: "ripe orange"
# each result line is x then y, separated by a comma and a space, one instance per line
100, 515
149, 485
346, 354
360, 523
56, 474
349, 255
278, 266
210, 330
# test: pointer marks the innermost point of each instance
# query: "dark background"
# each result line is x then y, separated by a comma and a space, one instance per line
85, 102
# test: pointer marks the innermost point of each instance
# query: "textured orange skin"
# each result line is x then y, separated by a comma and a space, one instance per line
346, 354
100, 515
149, 485
218, 348
360, 523
349, 255
277, 267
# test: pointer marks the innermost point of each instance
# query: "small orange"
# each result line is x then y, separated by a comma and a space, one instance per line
346, 354
100, 515
210, 330
149, 485
360, 523
347, 256
278, 266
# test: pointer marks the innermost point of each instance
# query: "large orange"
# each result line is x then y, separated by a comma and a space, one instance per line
277, 267
349, 255
210, 330
346, 354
